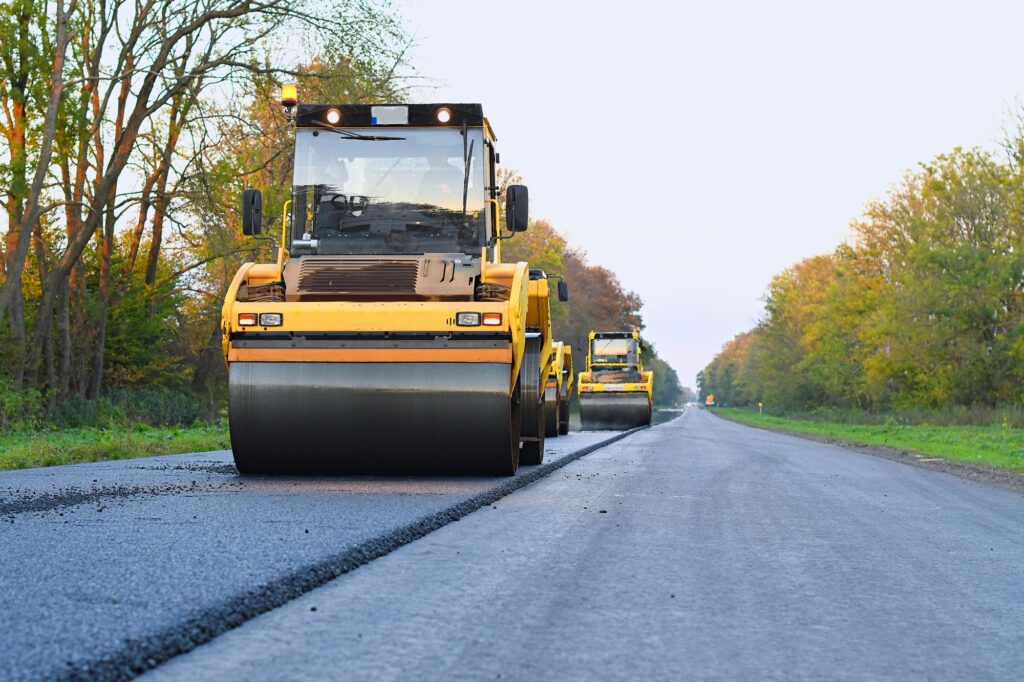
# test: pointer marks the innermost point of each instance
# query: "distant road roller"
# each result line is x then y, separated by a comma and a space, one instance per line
388, 337
615, 392
558, 390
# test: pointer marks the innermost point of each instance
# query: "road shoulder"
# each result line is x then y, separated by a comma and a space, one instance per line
977, 473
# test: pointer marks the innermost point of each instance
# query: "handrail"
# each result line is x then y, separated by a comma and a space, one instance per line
282, 253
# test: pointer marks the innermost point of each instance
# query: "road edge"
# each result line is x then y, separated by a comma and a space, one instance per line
140, 655
975, 473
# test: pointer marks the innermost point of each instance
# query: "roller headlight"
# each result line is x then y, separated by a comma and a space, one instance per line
271, 319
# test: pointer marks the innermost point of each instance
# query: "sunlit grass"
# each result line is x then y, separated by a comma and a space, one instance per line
22, 450
996, 445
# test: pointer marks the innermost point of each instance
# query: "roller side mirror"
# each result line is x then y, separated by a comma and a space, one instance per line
563, 290
517, 208
252, 212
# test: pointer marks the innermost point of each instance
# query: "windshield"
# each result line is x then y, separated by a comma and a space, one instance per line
614, 351
419, 190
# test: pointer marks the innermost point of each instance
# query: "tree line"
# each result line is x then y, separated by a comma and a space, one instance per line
128, 131
923, 307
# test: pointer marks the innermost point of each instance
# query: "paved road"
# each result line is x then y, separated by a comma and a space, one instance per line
106, 566
696, 549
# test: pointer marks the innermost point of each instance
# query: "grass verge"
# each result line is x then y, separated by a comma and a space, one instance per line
22, 450
997, 446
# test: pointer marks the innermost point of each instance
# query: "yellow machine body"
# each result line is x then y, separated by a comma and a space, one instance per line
561, 375
558, 390
375, 317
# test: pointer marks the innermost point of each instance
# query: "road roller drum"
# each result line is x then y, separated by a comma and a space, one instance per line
532, 430
614, 411
552, 411
372, 418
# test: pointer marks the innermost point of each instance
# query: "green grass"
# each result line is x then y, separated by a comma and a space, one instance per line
999, 446
21, 450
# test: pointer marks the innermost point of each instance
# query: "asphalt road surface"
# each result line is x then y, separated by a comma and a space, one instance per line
109, 568
695, 549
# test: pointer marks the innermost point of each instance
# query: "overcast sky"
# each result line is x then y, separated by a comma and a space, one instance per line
696, 149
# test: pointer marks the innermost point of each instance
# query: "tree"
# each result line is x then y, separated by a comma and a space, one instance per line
924, 308
114, 111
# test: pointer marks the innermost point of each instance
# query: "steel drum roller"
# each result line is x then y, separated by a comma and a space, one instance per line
614, 411
373, 418
532, 422
552, 411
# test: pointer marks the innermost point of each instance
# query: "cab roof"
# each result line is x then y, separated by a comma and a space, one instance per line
368, 115
614, 335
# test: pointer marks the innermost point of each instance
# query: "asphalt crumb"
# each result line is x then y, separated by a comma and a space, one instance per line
15, 501
198, 467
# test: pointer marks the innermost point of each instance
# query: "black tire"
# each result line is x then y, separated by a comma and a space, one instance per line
563, 417
515, 404
552, 411
533, 450
532, 429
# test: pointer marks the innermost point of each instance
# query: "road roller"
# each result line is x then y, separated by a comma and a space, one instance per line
388, 337
558, 390
615, 392
539, 330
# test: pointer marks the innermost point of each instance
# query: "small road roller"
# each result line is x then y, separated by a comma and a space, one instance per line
615, 392
558, 390
388, 337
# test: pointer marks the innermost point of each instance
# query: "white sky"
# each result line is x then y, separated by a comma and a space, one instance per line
696, 149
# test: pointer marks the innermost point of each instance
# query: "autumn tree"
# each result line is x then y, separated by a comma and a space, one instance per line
117, 126
923, 308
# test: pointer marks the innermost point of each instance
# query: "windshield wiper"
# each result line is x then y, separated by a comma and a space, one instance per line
467, 160
355, 136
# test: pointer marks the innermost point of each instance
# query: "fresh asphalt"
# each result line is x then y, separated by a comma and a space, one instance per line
108, 569
696, 549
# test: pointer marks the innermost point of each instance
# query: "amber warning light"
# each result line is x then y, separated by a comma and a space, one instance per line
289, 96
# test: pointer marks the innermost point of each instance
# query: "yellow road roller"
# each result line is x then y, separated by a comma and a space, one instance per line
615, 392
538, 338
558, 390
388, 337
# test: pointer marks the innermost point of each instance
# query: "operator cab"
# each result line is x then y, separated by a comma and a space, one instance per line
396, 202
393, 180
615, 357
620, 350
